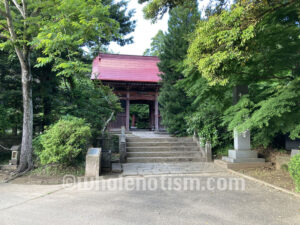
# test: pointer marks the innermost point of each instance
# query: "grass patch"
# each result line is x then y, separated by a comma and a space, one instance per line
58, 170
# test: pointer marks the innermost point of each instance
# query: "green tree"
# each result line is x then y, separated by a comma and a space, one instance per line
89, 100
141, 113
256, 45
156, 45
59, 29
172, 99
10, 93
157, 8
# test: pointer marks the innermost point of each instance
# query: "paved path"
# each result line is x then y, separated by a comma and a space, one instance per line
256, 205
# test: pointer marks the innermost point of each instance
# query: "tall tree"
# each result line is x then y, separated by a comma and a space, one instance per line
156, 45
256, 45
155, 9
60, 29
173, 100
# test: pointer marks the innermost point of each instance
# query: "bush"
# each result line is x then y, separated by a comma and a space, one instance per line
294, 169
64, 142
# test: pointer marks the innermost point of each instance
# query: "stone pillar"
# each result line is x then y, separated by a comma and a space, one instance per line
127, 110
242, 144
93, 162
242, 140
156, 111
208, 151
122, 145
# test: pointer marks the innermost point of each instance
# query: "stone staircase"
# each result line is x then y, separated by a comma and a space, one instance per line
161, 150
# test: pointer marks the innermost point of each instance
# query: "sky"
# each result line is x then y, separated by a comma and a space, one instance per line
144, 31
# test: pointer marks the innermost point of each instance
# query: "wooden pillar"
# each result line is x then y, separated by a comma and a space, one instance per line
133, 120
156, 111
151, 115
127, 110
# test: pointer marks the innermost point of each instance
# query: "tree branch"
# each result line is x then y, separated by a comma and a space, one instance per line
19, 7
24, 9
12, 32
7, 149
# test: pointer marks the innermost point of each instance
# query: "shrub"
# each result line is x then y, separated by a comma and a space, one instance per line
63, 142
294, 169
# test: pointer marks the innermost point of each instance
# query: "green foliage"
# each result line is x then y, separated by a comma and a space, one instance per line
64, 142
156, 45
208, 105
274, 111
141, 113
294, 169
10, 93
250, 44
217, 44
90, 100
66, 27
157, 8
174, 103
4, 121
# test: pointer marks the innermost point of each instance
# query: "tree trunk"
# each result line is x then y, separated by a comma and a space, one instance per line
23, 54
26, 148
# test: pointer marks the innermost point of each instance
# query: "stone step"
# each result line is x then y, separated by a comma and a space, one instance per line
116, 168
172, 140
163, 159
239, 160
161, 144
165, 154
160, 149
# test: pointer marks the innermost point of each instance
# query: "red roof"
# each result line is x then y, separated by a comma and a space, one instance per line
111, 67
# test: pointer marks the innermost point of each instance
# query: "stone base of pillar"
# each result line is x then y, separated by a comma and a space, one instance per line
240, 156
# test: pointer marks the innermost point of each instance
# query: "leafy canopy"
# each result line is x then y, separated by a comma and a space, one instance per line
255, 45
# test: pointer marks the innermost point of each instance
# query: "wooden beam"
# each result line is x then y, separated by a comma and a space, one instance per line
146, 98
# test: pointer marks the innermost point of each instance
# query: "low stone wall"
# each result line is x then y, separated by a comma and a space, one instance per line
122, 146
205, 148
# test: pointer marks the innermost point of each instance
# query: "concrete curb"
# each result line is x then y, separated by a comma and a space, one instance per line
260, 181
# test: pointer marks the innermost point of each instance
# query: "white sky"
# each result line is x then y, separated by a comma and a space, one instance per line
144, 31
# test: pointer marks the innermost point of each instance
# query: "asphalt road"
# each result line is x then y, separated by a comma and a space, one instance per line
256, 205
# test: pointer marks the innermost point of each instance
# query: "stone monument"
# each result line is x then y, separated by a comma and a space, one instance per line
15, 155
242, 149
93, 162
